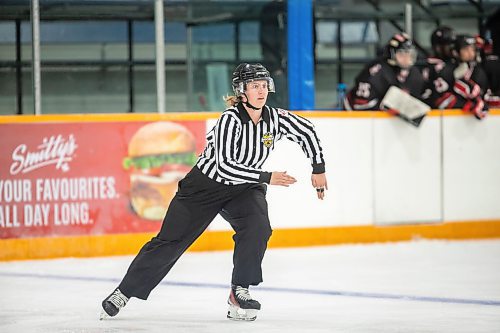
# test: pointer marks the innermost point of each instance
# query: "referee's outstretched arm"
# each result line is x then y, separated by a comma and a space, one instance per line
301, 130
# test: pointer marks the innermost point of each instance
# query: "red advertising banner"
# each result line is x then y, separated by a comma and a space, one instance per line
92, 178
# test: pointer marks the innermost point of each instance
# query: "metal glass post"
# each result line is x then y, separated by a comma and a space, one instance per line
35, 61
190, 67
340, 64
409, 20
130, 41
19, 73
160, 56
189, 59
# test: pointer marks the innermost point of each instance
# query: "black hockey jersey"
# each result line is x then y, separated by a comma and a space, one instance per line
372, 84
491, 66
432, 86
462, 91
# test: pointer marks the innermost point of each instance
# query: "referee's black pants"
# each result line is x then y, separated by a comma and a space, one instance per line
198, 201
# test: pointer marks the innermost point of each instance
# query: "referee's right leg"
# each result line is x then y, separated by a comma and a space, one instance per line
195, 205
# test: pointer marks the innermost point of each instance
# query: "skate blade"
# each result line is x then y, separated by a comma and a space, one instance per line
103, 315
239, 314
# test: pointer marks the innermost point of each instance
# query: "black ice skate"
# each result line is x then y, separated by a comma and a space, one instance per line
112, 304
241, 304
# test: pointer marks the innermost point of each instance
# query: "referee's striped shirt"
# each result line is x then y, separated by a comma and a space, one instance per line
237, 148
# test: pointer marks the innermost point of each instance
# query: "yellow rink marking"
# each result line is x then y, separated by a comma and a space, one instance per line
199, 116
126, 244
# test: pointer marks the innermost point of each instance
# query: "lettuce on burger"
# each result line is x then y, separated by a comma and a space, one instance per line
159, 155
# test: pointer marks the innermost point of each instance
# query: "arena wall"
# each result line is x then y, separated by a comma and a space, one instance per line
388, 181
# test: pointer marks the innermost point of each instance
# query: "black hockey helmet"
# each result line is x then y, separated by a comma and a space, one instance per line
442, 36
400, 42
462, 41
245, 73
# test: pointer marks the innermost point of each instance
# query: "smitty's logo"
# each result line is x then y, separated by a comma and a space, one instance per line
268, 139
53, 150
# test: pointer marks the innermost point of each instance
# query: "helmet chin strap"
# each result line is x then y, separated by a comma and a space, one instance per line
247, 103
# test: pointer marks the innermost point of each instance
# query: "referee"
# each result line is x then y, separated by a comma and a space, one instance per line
227, 180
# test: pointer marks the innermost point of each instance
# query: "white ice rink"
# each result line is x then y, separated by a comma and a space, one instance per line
420, 286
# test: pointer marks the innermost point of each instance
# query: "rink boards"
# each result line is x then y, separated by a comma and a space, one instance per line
387, 180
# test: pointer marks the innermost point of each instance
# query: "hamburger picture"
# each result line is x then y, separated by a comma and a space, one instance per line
159, 155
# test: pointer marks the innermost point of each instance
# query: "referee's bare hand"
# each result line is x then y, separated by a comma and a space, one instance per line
281, 179
319, 183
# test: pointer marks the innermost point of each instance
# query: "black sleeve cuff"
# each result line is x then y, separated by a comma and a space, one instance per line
318, 168
265, 177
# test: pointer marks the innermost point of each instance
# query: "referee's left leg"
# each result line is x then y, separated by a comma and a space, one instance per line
247, 214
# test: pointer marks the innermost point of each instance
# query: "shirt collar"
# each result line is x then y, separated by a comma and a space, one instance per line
245, 117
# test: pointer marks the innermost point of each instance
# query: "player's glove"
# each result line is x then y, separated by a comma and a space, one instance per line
476, 107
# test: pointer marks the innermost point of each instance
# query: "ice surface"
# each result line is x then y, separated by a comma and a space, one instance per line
420, 286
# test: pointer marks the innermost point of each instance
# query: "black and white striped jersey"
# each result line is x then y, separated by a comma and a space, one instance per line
237, 148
